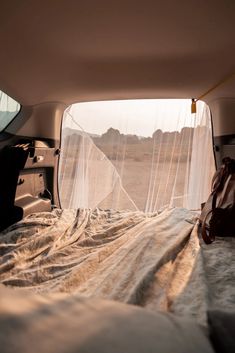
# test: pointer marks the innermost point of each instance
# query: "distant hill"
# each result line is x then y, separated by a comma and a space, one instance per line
114, 137
164, 146
68, 132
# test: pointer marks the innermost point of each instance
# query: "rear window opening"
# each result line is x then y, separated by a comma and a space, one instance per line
9, 108
136, 154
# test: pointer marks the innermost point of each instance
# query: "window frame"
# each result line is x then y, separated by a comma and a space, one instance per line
14, 117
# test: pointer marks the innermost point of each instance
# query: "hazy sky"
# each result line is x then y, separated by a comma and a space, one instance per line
140, 117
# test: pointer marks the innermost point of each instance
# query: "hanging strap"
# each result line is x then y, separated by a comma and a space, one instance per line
206, 232
224, 190
206, 235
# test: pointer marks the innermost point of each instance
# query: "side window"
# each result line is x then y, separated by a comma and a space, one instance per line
9, 108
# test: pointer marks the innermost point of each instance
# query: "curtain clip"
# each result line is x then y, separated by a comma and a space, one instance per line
193, 106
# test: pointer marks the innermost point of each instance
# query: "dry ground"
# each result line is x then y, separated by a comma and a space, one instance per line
135, 163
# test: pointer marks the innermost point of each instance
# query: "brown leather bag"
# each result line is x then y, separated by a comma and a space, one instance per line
218, 214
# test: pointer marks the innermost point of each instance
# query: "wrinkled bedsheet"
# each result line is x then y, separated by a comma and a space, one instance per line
155, 261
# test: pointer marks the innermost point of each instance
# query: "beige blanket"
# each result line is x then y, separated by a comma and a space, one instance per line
60, 323
154, 261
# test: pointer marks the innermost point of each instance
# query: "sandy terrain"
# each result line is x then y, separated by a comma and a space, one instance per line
139, 165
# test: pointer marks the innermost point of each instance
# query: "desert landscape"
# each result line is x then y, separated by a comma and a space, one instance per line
150, 168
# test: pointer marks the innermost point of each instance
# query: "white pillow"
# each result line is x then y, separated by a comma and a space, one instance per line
68, 323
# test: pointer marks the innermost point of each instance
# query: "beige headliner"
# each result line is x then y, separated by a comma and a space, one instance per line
67, 51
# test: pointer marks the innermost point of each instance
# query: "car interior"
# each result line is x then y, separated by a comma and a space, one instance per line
87, 277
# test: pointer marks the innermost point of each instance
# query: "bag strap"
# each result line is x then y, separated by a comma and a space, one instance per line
220, 184
220, 177
206, 233
206, 236
224, 190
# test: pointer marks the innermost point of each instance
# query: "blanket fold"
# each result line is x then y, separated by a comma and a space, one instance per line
154, 260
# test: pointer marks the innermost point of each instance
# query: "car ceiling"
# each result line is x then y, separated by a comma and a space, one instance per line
69, 51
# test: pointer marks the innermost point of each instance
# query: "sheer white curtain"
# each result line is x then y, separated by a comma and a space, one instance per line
137, 155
